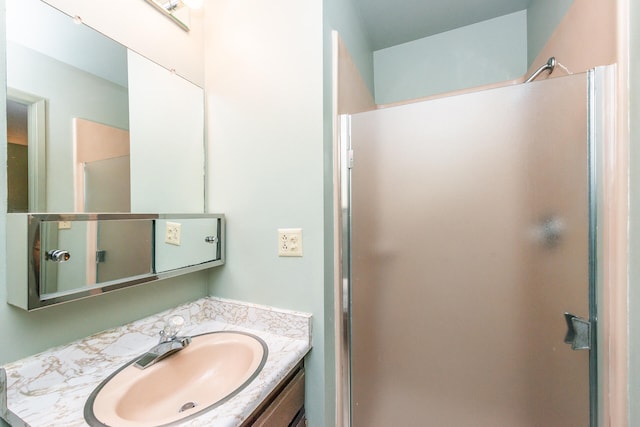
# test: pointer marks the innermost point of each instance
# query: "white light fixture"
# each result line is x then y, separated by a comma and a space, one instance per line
176, 10
169, 5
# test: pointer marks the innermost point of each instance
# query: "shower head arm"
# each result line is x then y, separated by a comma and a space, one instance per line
550, 65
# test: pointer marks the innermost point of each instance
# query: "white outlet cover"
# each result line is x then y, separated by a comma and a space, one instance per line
173, 233
290, 242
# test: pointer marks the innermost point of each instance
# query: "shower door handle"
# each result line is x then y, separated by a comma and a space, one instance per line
578, 332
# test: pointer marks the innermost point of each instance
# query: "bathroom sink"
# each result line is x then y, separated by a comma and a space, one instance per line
209, 371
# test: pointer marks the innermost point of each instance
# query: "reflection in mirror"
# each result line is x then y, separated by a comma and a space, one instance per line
26, 152
102, 168
55, 258
167, 134
92, 252
94, 106
17, 155
77, 73
197, 242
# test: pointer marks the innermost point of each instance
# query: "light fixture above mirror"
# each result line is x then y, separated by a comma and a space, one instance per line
177, 10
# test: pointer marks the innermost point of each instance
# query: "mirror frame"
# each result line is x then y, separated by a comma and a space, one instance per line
22, 286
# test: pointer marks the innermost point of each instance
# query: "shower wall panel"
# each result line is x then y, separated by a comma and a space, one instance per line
469, 242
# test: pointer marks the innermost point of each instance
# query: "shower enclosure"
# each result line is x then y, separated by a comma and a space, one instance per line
470, 246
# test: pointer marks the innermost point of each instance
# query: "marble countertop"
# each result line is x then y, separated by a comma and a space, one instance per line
51, 388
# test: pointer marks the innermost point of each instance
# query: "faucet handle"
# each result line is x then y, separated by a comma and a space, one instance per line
171, 328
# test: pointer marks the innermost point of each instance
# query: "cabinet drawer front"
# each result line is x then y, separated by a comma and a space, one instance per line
284, 409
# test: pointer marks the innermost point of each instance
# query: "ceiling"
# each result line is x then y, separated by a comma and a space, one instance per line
392, 22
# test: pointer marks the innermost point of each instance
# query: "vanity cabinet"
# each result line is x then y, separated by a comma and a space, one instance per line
284, 407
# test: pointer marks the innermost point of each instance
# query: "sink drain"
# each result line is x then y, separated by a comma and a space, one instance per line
187, 406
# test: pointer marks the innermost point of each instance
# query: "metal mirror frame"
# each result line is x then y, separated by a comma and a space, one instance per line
34, 301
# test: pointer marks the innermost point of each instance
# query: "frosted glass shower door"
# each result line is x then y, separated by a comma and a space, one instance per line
470, 240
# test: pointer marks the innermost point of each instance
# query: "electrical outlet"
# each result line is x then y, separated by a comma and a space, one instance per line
290, 242
173, 233
64, 225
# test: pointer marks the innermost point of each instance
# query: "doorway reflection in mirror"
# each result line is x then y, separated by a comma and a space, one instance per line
17, 157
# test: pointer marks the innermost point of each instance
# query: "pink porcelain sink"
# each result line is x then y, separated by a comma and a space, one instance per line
202, 376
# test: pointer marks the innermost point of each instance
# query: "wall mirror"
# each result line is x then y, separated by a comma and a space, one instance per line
94, 126
56, 258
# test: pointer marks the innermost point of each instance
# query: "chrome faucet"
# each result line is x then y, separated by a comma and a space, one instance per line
169, 343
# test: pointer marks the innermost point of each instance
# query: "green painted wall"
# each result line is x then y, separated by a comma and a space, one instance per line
487, 52
491, 51
264, 86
